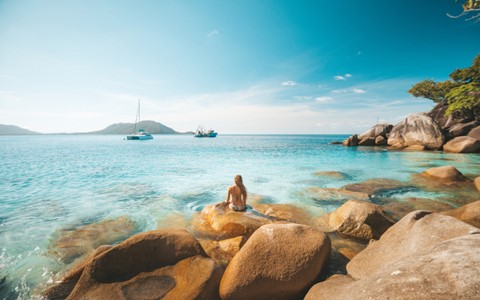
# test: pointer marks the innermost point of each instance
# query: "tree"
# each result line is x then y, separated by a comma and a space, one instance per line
461, 93
469, 6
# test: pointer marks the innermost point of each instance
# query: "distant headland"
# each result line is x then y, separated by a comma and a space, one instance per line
117, 128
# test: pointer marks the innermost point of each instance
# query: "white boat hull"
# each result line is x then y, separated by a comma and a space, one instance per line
139, 137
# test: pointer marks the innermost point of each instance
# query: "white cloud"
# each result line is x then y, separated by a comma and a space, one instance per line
302, 98
358, 91
212, 33
339, 77
348, 75
324, 99
289, 83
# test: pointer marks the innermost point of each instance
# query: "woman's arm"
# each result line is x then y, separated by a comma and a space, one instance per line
228, 196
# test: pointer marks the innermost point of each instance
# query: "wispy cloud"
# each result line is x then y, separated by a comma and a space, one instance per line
324, 99
212, 33
302, 98
289, 83
343, 77
358, 91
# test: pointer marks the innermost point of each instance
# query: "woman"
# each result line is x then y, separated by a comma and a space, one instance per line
238, 195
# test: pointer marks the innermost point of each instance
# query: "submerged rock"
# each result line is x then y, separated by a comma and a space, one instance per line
360, 220
376, 186
279, 261
469, 213
334, 195
73, 243
332, 174
398, 209
417, 129
462, 144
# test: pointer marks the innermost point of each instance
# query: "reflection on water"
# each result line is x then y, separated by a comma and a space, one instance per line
54, 184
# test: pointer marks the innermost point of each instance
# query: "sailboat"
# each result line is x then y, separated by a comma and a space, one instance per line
201, 132
141, 134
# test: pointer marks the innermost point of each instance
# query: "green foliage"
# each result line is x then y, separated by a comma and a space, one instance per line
464, 101
462, 92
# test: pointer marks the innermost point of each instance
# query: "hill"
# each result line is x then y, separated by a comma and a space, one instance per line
126, 128
14, 130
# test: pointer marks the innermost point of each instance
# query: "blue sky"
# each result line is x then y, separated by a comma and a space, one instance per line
249, 66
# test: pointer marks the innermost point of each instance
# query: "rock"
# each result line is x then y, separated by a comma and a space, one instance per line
475, 133
376, 130
462, 144
366, 141
447, 270
415, 148
285, 213
445, 122
461, 129
360, 220
334, 196
223, 251
72, 243
414, 233
445, 174
351, 141
63, 289
417, 129
469, 213
219, 221
377, 186
136, 262
398, 209
195, 277
279, 261
380, 141
477, 183
331, 174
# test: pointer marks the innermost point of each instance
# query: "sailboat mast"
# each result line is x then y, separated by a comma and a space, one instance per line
137, 117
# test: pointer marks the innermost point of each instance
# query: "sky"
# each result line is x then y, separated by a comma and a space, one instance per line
249, 66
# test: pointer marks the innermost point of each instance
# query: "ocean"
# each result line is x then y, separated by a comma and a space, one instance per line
53, 185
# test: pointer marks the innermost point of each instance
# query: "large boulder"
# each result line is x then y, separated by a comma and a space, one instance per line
351, 141
417, 129
366, 141
447, 270
445, 174
219, 221
469, 213
279, 261
376, 130
141, 267
477, 183
475, 133
461, 129
414, 233
360, 220
380, 141
462, 144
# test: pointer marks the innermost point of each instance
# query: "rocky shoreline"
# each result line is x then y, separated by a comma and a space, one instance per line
368, 248
424, 131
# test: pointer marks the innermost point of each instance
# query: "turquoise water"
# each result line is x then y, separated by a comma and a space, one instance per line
53, 182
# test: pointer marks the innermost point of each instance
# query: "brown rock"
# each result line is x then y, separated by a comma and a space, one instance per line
351, 141
461, 128
195, 277
445, 174
334, 196
398, 209
331, 174
223, 251
376, 186
477, 183
380, 141
469, 213
376, 130
475, 133
366, 141
72, 243
417, 129
462, 144
415, 148
417, 231
279, 261
447, 270
219, 221
360, 220
285, 213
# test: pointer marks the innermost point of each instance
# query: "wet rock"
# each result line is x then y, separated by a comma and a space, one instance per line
447, 270
334, 196
173, 220
469, 213
279, 261
360, 220
376, 186
414, 233
380, 141
285, 213
141, 267
76, 242
366, 141
415, 148
462, 144
219, 221
417, 129
475, 133
445, 174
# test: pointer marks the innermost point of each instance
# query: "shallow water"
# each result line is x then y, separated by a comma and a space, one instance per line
54, 183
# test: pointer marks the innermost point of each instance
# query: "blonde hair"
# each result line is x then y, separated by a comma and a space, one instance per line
239, 182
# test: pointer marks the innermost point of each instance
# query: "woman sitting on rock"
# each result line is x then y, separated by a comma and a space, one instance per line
238, 195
